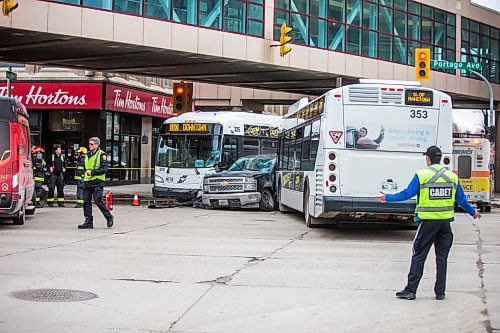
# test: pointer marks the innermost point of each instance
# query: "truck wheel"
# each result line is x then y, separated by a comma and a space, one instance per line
21, 216
267, 201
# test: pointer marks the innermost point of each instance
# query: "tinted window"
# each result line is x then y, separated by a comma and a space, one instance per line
6, 111
250, 147
464, 167
4, 140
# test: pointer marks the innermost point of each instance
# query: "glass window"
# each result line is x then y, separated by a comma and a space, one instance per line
450, 18
66, 121
439, 16
465, 23
230, 150
414, 7
319, 8
318, 32
427, 31
439, 34
255, 12
484, 46
400, 50
474, 26
400, 4
336, 10
354, 12
385, 47
158, 9
282, 4
353, 40
301, 6
400, 23
269, 146
210, 14
336, 36
250, 146
129, 6
74, 2
109, 125
185, 11
412, 45
427, 11
464, 167
450, 31
300, 25
370, 15
414, 27
235, 16
370, 43
385, 19
255, 28
103, 4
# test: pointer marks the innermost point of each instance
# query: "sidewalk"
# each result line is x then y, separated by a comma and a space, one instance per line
121, 192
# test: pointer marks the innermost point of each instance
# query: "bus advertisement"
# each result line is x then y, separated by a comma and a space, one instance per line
340, 150
191, 145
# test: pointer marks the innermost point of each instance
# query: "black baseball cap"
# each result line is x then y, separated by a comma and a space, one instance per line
433, 151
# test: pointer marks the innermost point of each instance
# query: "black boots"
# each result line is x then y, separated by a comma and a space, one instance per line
88, 224
78, 205
110, 221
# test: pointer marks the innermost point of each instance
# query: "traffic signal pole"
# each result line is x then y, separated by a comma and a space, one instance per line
8, 83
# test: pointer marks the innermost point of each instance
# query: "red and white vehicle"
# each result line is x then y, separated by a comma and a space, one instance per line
16, 171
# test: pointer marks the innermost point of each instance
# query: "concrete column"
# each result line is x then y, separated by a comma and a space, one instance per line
146, 162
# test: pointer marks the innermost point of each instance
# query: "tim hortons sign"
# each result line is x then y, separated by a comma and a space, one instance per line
56, 95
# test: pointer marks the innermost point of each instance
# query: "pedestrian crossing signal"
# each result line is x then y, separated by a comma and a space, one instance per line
285, 38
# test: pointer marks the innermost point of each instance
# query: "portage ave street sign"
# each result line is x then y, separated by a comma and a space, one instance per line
443, 64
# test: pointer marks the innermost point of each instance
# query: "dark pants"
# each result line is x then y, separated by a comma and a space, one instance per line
437, 232
56, 180
96, 192
38, 191
79, 192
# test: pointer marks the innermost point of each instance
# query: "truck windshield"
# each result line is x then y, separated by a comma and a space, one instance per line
188, 151
254, 163
4, 140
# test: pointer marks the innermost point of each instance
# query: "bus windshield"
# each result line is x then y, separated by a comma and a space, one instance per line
188, 151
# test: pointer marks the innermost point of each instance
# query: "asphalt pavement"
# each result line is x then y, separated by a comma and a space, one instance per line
193, 270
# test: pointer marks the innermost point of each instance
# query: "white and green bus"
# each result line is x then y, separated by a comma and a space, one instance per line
340, 150
190, 146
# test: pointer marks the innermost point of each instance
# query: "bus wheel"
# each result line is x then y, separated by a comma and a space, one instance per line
21, 217
267, 201
307, 217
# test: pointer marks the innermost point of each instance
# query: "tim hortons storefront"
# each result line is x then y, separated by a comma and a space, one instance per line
125, 118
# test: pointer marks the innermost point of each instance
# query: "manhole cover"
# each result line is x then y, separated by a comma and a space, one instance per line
53, 295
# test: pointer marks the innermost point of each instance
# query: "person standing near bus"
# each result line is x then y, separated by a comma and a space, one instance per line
437, 190
57, 170
80, 170
96, 166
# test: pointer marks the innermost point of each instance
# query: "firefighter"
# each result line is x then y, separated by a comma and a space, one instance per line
57, 170
80, 170
39, 168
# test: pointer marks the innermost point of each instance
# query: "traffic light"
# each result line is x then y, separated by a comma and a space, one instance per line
8, 6
183, 96
285, 38
422, 64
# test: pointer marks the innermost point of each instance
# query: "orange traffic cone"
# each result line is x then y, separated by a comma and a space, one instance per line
136, 199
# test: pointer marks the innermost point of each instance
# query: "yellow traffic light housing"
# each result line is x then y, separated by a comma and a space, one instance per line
422, 64
183, 97
8, 6
285, 38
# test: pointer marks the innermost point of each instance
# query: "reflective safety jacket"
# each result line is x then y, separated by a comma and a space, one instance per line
80, 167
98, 164
39, 167
436, 197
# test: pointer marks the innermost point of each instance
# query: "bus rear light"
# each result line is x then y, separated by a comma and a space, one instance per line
15, 176
446, 161
332, 156
332, 178
15, 196
332, 167
333, 188
444, 101
337, 95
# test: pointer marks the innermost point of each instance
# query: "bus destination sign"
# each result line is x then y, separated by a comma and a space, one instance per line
418, 97
189, 128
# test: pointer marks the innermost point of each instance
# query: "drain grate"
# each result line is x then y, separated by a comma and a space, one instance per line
53, 295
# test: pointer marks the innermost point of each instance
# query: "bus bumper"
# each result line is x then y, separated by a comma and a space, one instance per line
367, 205
165, 192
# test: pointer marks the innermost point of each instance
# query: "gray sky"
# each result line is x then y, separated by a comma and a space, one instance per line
492, 4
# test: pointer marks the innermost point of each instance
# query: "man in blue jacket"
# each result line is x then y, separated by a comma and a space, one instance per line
437, 189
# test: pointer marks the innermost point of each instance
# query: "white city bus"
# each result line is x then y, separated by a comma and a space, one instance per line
340, 150
473, 156
190, 145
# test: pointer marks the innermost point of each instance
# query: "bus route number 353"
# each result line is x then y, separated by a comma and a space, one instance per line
418, 114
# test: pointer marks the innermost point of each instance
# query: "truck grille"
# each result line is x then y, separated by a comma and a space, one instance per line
226, 185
